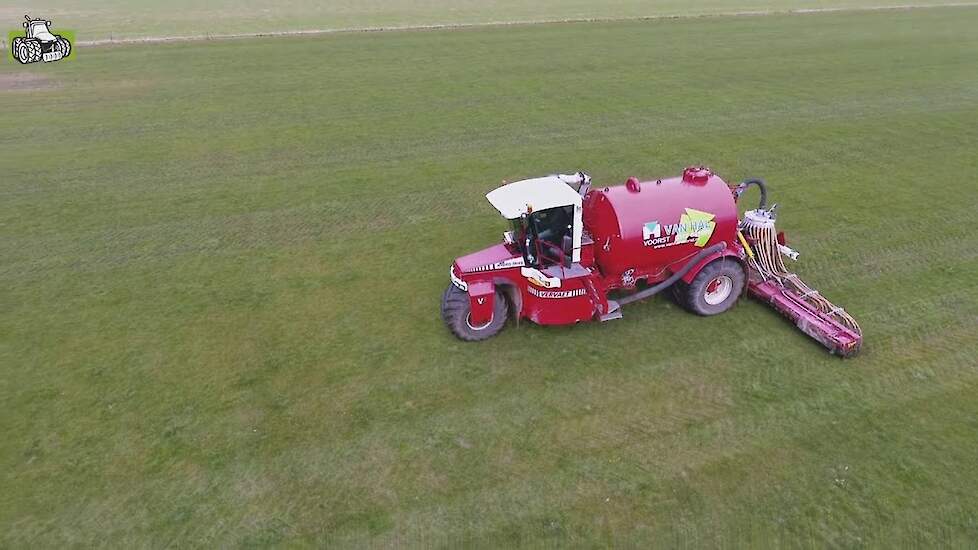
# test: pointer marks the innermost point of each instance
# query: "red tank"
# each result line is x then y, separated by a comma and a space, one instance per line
645, 230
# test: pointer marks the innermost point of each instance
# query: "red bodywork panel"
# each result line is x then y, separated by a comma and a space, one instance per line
487, 259
481, 298
559, 306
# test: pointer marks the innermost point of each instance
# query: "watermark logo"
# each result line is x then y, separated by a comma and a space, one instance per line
38, 42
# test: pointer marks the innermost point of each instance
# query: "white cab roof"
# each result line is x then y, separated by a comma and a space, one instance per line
513, 199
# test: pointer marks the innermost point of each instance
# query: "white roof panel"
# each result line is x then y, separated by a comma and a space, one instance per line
513, 199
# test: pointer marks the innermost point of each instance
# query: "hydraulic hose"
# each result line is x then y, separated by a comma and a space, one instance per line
760, 185
653, 290
768, 263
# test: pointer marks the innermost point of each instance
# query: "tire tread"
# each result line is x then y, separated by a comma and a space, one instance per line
455, 309
693, 300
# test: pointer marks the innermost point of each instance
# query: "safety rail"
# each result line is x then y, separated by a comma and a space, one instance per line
559, 259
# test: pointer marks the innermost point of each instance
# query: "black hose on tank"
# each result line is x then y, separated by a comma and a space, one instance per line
760, 185
651, 291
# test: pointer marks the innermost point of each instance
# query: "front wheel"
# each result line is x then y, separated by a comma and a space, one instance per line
716, 288
29, 51
456, 310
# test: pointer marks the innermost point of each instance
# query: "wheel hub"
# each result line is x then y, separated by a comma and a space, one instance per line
718, 290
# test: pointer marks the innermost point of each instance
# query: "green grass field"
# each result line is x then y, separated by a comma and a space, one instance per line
104, 19
221, 265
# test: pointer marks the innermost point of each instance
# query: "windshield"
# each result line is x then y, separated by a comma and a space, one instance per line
542, 234
39, 28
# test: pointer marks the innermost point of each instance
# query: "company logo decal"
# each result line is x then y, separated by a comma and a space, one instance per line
651, 230
694, 227
39, 42
540, 279
628, 277
555, 294
538, 282
505, 264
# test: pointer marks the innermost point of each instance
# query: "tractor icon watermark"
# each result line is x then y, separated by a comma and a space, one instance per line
39, 43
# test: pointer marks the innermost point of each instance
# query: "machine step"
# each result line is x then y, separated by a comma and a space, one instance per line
614, 312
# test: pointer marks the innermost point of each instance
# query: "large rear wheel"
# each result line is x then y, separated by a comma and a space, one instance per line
716, 288
64, 46
456, 311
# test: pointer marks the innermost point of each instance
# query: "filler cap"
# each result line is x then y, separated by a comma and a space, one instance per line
697, 174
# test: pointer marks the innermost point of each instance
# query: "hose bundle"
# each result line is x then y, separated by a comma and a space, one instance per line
766, 261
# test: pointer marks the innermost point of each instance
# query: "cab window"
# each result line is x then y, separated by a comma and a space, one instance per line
545, 233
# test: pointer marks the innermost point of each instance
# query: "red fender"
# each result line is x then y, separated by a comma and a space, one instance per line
732, 252
482, 295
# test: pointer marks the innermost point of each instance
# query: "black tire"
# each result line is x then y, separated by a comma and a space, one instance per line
678, 293
38, 51
24, 53
15, 45
64, 46
455, 310
716, 288
30, 51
